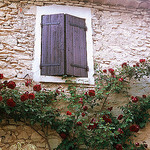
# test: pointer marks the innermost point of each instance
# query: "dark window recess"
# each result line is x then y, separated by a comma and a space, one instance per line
63, 46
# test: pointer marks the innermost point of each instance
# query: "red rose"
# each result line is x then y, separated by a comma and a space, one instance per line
57, 91
111, 71
110, 108
91, 93
1, 76
79, 123
137, 64
142, 60
119, 147
144, 96
145, 145
24, 97
105, 71
37, 87
120, 79
63, 135
31, 96
86, 93
120, 117
83, 114
134, 128
85, 108
80, 101
137, 144
113, 76
134, 65
1, 98
107, 119
69, 113
134, 99
11, 103
11, 84
28, 82
120, 131
92, 126
124, 64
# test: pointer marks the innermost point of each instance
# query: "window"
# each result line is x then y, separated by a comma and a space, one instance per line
63, 44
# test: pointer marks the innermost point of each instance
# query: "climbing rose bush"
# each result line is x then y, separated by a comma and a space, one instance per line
87, 121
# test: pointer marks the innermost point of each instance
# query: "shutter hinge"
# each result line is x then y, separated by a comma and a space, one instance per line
82, 27
78, 66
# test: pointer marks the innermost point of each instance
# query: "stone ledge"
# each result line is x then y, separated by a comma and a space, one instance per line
138, 4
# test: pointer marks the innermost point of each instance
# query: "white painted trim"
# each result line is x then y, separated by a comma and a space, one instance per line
55, 9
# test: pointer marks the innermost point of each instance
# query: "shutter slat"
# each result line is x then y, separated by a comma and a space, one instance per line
69, 46
76, 46
44, 46
83, 49
52, 45
76, 56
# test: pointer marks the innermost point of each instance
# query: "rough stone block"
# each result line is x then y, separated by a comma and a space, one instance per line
12, 6
23, 135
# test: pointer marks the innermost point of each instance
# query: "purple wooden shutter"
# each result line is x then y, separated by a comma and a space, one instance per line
52, 55
76, 53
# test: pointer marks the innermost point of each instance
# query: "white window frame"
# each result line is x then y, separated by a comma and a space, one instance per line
71, 10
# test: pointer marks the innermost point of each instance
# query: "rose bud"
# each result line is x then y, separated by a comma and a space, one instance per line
137, 144
85, 108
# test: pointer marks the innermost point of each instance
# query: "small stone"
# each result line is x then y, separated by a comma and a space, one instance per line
54, 142
13, 6
2, 5
13, 147
41, 145
9, 127
30, 147
8, 138
36, 137
2, 133
23, 135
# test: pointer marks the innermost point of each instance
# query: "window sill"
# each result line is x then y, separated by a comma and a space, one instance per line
57, 79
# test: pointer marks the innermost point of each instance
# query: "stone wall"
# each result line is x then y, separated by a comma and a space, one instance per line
119, 35
14, 136
16, 41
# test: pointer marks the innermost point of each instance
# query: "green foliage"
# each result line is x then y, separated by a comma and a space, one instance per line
87, 123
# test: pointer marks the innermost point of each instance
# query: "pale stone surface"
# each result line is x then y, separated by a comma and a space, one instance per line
9, 127
9, 138
54, 142
13, 147
23, 135
30, 147
36, 137
2, 133
7, 72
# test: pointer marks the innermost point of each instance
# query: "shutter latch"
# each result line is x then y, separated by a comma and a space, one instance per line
78, 66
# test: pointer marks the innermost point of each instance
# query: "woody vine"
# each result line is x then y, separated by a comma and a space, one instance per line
88, 122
